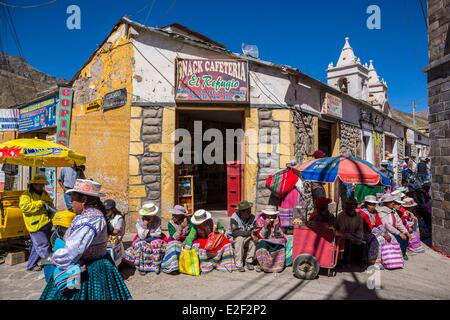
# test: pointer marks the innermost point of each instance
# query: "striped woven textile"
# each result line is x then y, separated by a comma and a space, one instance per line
146, 256
170, 261
415, 245
391, 256
270, 256
222, 260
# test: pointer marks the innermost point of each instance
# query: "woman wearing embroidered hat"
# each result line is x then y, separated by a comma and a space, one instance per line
213, 247
179, 228
147, 250
270, 250
34, 204
84, 270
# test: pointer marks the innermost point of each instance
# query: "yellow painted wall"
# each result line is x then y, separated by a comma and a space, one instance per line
251, 122
287, 135
103, 136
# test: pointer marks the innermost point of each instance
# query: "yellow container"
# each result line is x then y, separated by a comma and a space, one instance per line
11, 217
12, 224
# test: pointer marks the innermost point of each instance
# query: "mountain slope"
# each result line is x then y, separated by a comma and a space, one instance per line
407, 118
20, 82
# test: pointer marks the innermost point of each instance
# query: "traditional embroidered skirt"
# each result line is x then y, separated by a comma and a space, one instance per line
172, 254
221, 259
146, 255
415, 245
286, 209
270, 256
100, 281
375, 241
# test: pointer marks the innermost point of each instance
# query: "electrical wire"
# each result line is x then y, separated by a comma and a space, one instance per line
423, 14
17, 42
161, 18
149, 11
5, 61
27, 6
140, 10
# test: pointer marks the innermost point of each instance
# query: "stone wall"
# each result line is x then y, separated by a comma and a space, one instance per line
349, 137
304, 142
438, 72
269, 161
400, 156
304, 148
145, 166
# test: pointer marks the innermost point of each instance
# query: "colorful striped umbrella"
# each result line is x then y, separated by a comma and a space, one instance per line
349, 170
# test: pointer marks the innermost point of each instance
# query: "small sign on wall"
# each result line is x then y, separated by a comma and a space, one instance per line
115, 99
332, 106
92, 106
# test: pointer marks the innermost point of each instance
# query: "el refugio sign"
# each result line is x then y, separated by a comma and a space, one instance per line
115, 99
211, 80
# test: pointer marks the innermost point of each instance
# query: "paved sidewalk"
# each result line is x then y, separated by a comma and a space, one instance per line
425, 276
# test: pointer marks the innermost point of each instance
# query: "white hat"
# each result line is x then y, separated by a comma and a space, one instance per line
409, 203
387, 197
371, 199
398, 200
87, 187
179, 210
200, 216
398, 193
149, 209
269, 212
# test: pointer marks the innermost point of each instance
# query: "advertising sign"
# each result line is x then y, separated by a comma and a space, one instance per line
64, 113
50, 188
92, 106
115, 99
9, 119
38, 115
211, 80
409, 136
332, 106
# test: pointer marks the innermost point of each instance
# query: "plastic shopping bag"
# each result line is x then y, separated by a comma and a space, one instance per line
189, 262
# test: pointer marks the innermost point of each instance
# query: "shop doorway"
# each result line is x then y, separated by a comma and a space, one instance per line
328, 133
204, 185
325, 143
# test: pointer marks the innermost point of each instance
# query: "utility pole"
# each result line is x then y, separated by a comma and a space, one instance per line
414, 113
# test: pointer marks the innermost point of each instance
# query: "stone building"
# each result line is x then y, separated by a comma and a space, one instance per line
438, 72
129, 100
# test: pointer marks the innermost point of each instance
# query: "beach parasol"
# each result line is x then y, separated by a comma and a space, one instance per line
39, 153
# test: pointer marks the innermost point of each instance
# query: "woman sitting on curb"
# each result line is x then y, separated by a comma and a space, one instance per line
213, 247
147, 250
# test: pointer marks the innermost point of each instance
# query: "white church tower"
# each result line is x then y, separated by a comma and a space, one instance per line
377, 90
349, 75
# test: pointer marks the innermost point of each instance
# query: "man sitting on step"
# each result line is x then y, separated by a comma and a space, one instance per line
243, 230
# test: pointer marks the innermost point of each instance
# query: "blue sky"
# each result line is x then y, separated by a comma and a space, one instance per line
304, 34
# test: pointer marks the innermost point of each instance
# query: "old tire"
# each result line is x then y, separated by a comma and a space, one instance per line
306, 267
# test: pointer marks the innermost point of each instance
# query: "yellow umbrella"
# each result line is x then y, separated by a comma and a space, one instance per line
39, 153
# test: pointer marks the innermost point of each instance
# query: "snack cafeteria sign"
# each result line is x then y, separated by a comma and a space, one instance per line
200, 80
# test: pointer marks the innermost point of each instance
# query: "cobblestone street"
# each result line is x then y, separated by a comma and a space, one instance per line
425, 276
